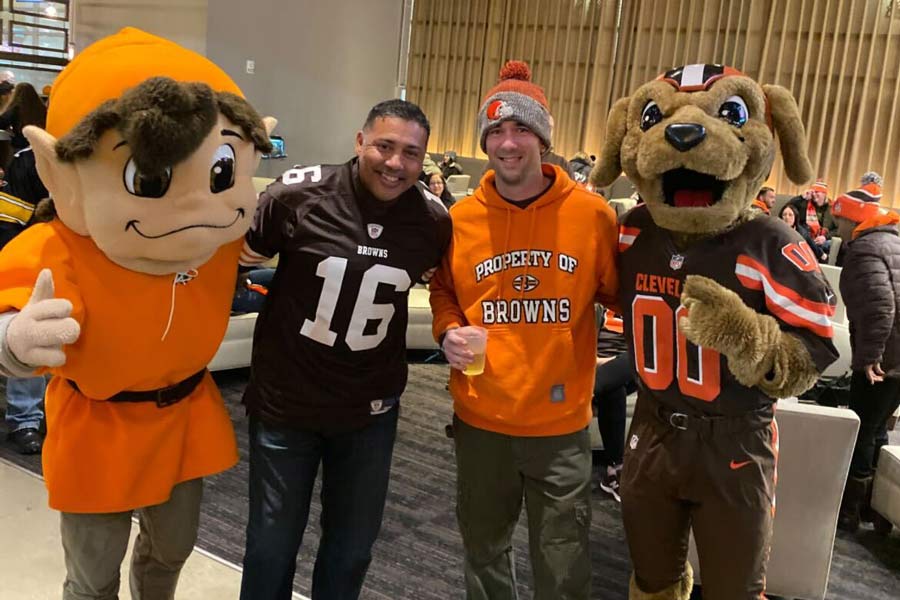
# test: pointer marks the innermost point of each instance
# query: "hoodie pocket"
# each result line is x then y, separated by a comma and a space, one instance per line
525, 364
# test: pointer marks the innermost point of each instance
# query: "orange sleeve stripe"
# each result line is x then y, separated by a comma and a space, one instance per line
783, 306
627, 235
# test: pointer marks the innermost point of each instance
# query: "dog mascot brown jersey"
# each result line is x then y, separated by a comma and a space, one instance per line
725, 310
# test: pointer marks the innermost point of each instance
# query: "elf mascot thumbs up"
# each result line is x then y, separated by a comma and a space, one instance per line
124, 297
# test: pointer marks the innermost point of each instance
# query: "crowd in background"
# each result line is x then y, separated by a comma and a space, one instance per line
21, 190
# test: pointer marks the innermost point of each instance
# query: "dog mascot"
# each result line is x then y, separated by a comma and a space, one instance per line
724, 313
124, 297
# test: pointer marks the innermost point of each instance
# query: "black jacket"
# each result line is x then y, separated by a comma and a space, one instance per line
870, 288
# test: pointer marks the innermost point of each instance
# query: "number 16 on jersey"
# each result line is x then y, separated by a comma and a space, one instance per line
332, 270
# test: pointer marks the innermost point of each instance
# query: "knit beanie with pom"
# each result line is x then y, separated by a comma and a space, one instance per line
860, 204
516, 98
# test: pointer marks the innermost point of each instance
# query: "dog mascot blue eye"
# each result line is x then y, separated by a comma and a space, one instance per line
734, 111
650, 116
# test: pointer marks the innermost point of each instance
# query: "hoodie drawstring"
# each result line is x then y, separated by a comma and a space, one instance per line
502, 285
528, 253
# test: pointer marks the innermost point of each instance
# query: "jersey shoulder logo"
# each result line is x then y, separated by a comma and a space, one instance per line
374, 230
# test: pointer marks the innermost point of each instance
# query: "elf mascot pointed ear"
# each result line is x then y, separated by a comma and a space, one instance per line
725, 311
124, 297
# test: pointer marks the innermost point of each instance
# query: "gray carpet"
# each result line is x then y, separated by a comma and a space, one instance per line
418, 555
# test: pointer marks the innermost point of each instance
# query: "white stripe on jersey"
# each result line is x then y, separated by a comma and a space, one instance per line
782, 301
627, 239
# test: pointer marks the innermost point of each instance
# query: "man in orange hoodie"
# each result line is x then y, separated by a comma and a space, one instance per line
530, 254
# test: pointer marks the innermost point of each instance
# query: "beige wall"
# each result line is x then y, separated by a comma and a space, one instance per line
183, 21
320, 66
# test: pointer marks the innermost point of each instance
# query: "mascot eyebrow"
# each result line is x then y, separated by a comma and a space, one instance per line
163, 121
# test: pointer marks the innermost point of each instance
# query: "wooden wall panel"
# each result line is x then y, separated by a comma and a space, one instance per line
840, 58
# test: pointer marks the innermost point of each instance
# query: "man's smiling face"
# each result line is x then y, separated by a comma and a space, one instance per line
175, 220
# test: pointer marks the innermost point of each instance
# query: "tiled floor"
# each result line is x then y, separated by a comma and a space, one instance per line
31, 561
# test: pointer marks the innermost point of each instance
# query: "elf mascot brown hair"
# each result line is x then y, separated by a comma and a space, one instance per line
725, 310
123, 298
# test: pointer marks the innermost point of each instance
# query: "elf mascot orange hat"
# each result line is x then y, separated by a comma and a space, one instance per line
105, 69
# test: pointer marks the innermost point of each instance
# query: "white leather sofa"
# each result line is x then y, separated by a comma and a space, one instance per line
886, 488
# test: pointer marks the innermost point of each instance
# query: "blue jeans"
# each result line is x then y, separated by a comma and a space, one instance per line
249, 301
356, 468
25, 402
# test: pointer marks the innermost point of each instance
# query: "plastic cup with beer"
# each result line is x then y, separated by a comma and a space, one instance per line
476, 341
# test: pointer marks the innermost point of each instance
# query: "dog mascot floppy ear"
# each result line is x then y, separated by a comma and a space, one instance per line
724, 313
124, 298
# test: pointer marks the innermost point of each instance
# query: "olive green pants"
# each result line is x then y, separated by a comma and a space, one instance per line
95, 544
494, 473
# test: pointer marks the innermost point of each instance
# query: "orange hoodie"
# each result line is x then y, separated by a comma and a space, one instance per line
531, 277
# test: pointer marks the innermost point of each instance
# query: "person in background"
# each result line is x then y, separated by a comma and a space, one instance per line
814, 212
581, 165
449, 166
25, 108
24, 395
870, 289
520, 428
428, 168
251, 290
613, 381
329, 350
764, 200
6, 90
790, 216
438, 187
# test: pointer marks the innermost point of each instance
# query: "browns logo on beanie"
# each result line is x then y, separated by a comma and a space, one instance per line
860, 204
516, 98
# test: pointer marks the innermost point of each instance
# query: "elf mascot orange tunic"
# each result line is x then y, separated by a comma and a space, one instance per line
124, 298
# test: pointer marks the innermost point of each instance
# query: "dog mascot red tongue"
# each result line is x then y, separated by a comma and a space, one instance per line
693, 198
745, 320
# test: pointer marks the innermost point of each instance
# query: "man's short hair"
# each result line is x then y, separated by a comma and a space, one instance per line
400, 109
763, 191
